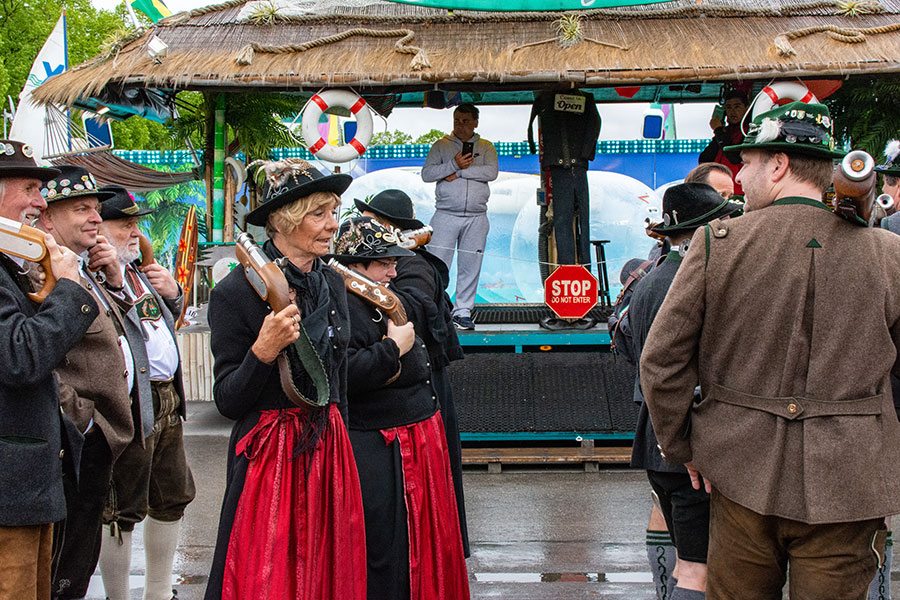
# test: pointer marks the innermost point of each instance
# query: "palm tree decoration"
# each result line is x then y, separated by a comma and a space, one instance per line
170, 206
866, 114
255, 121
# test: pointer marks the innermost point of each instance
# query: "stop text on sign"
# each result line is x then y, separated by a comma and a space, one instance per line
567, 289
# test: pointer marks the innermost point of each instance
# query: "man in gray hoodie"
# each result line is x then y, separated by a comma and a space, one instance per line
462, 173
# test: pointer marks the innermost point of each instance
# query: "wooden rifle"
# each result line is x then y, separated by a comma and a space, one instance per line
269, 282
854, 187
27, 242
413, 238
373, 292
146, 247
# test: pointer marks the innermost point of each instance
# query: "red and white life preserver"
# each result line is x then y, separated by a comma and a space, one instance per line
318, 104
779, 93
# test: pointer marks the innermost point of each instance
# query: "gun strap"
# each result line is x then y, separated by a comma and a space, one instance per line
313, 366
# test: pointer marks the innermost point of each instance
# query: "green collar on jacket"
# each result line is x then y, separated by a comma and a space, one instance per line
800, 200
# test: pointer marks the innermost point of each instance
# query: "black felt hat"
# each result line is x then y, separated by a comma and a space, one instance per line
362, 239
72, 182
394, 206
289, 181
687, 206
17, 160
121, 205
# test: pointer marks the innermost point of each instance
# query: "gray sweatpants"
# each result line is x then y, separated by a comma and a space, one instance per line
468, 234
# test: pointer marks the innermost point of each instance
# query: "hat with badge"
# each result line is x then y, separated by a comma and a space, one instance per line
687, 206
892, 155
363, 239
121, 205
291, 179
72, 182
17, 160
394, 206
795, 128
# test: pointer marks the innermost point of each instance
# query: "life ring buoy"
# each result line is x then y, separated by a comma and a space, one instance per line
780, 91
318, 104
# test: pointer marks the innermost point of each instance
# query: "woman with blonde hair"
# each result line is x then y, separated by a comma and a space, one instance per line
292, 519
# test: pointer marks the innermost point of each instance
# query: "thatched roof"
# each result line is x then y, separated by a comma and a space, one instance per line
293, 45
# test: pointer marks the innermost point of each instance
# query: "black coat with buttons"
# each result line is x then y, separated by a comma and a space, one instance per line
423, 278
374, 360
34, 339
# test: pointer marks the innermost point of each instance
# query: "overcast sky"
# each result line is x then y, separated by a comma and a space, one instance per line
509, 123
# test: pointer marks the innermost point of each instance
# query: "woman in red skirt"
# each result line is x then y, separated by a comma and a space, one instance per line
413, 544
292, 519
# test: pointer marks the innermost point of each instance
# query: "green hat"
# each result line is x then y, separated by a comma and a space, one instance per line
892, 154
795, 128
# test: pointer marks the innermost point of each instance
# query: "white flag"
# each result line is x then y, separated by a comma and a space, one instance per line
30, 123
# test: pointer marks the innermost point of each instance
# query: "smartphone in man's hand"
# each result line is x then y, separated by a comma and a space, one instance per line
468, 148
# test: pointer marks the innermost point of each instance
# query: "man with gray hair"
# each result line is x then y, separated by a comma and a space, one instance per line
151, 477
37, 444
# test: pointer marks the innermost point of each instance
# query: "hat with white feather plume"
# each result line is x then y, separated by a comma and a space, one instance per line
795, 128
892, 163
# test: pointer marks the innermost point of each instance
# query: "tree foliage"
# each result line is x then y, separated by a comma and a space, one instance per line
25, 25
866, 114
390, 138
430, 137
255, 120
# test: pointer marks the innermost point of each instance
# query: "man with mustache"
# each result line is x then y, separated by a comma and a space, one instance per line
152, 476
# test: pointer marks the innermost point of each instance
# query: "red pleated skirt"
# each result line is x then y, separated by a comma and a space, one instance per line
298, 529
437, 566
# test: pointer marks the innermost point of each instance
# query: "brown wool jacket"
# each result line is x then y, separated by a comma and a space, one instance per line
789, 317
93, 382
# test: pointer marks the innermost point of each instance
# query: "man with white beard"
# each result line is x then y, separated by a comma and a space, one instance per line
152, 476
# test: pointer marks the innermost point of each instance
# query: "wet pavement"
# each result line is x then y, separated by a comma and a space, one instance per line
536, 534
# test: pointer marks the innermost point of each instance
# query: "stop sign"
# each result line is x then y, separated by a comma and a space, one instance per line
571, 291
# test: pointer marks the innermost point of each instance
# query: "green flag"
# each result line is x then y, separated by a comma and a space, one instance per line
155, 9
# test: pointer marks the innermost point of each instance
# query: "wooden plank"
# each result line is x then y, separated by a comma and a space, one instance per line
480, 456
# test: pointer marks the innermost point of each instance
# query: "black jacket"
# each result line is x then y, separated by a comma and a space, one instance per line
569, 137
423, 279
243, 383
34, 339
374, 360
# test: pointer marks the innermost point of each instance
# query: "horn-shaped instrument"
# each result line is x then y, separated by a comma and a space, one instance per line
886, 201
27, 242
413, 238
854, 187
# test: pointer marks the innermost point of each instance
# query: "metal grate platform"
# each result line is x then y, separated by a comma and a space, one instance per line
583, 392
492, 314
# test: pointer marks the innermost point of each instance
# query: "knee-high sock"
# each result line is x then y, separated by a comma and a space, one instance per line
115, 564
160, 540
661, 557
685, 594
880, 588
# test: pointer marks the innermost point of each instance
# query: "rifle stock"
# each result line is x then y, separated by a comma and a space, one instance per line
146, 247
27, 242
375, 293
